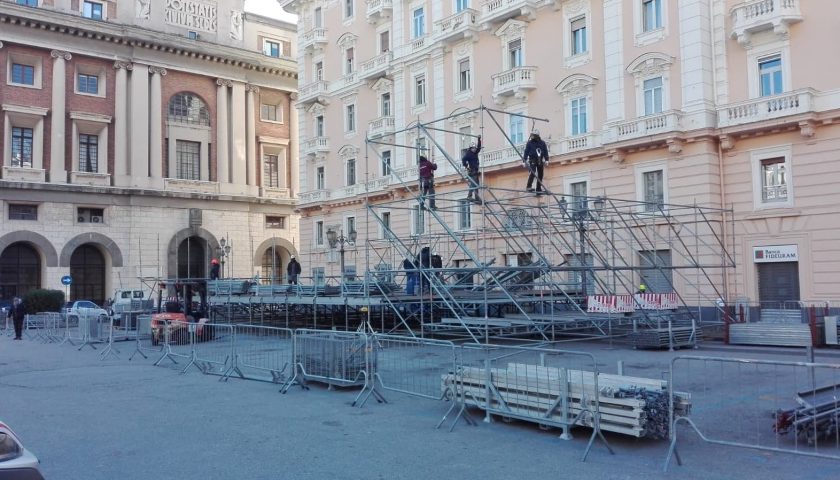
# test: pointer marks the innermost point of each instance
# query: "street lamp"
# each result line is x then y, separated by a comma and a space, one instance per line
339, 239
224, 252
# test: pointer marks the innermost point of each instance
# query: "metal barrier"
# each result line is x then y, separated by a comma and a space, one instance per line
335, 358
549, 387
777, 406
413, 366
34, 326
145, 342
213, 347
263, 353
94, 330
177, 342
110, 349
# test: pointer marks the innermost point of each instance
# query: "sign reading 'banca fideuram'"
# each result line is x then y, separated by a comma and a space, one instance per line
192, 14
776, 253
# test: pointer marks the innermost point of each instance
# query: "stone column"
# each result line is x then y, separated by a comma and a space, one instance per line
294, 168
238, 143
222, 129
156, 127
120, 124
253, 163
59, 114
138, 126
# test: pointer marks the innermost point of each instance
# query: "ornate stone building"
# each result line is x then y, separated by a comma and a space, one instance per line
139, 135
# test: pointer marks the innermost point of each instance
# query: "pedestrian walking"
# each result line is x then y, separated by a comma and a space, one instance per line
470, 162
17, 313
293, 270
427, 180
536, 158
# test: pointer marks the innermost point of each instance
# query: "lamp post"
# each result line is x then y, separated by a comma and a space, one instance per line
339, 239
224, 252
579, 216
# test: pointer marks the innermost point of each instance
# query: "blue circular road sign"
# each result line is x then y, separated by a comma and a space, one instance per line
66, 280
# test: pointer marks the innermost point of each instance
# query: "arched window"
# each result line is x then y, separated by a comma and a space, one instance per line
187, 107
20, 270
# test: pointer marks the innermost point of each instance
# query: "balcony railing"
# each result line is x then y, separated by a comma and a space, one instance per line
756, 15
418, 44
311, 91
313, 196
377, 9
502, 156
516, 81
501, 10
646, 126
315, 145
379, 184
407, 175
766, 108
376, 66
577, 143
349, 79
316, 37
381, 126
458, 25
275, 192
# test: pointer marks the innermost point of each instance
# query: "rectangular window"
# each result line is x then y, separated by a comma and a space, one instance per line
579, 116
319, 126
319, 233
23, 212
348, 8
517, 129
188, 158
268, 112
90, 215
461, 5
386, 225
319, 17
653, 96
464, 82
349, 62
319, 178
271, 171
192, 35
466, 137
578, 190
770, 75
319, 71
651, 15
386, 163
385, 104
92, 10
515, 53
774, 180
351, 225
654, 186
418, 223
419, 25
272, 221
23, 74
22, 147
88, 153
421, 148
351, 172
579, 36
420, 90
271, 49
28, 3
351, 118
88, 84
464, 215
384, 41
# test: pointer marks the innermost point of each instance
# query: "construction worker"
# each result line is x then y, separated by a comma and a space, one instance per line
293, 270
536, 157
642, 288
214, 269
427, 180
470, 162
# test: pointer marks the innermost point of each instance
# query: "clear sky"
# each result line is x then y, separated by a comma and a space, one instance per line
269, 8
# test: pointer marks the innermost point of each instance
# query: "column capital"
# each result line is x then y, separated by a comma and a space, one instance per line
252, 88
119, 64
293, 96
223, 82
61, 54
157, 71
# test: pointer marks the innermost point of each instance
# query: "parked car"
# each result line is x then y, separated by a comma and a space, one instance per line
72, 311
16, 462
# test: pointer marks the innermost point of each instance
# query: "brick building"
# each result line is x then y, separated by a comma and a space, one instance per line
137, 136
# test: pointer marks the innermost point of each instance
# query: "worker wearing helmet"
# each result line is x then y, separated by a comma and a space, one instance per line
214, 269
535, 157
642, 288
470, 163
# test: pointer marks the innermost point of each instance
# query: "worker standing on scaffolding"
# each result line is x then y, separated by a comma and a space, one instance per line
470, 162
427, 180
536, 157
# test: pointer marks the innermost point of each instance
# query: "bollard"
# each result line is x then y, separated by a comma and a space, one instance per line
620, 367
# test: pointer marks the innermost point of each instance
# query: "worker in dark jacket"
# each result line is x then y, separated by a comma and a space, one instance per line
293, 270
17, 313
214, 269
470, 162
536, 157
427, 180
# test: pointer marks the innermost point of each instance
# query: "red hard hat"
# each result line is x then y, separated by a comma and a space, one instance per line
214, 261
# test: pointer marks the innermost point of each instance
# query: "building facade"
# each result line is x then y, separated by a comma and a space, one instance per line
719, 103
137, 137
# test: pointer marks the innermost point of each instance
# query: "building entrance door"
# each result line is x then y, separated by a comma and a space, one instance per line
778, 283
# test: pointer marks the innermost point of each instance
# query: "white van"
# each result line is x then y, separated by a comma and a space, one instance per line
130, 300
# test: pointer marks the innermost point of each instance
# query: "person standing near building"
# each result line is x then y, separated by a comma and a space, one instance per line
427, 180
470, 162
536, 158
17, 313
214, 269
410, 275
293, 270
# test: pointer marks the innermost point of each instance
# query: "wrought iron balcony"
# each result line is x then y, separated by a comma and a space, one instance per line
453, 28
379, 9
314, 39
313, 92
381, 126
766, 108
376, 66
515, 82
756, 15
315, 145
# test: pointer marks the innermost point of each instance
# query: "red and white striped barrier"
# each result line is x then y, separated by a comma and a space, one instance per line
656, 301
609, 304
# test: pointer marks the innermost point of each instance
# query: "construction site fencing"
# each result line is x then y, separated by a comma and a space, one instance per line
550, 387
262, 353
87, 330
145, 342
213, 346
777, 406
411, 365
177, 342
34, 325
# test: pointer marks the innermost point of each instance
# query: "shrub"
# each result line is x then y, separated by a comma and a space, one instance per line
37, 301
